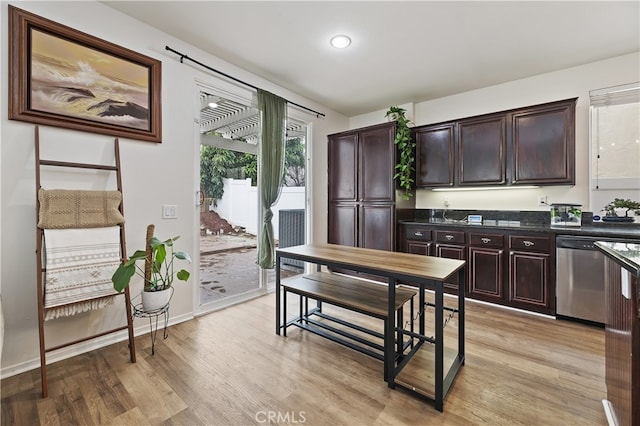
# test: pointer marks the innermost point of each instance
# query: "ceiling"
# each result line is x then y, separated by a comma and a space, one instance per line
402, 51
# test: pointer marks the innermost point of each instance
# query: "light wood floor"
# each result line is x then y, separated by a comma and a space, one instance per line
230, 368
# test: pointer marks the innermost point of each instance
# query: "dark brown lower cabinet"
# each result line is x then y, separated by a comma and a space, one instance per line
530, 273
375, 223
343, 224
486, 266
367, 225
622, 346
451, 244
503, 267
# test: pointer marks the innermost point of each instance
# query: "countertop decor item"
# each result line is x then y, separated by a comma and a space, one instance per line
613, 209
406, 150
566, 214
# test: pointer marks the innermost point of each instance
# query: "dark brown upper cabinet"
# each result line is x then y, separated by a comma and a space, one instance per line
377, 164
526, 146
343, 166
481, 151
435, 151
544, 144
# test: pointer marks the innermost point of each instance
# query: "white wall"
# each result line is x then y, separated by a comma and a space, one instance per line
239, 204
153, 175
564, 84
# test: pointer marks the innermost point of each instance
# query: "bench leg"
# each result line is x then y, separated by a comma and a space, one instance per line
411, 312
399, 334
385, 372
284, 309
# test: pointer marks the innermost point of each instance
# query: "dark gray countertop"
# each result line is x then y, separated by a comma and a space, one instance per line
626, 254
596, 229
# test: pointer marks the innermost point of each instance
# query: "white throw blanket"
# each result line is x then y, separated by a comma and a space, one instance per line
79, 265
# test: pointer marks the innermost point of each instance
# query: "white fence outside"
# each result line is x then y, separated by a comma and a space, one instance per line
239, 204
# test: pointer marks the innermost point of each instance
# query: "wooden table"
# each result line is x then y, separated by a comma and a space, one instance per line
424, 373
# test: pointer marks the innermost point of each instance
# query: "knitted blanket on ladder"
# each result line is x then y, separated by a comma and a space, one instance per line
79, 265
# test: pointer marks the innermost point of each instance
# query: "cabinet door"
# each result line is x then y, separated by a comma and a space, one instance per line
451, 251
343, 224
544, 144
486, 266
377, 224
377, 164
481, 151
529, 281
343, 167
486, 276
434, 155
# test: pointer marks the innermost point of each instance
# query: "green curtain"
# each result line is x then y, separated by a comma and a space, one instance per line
274, 114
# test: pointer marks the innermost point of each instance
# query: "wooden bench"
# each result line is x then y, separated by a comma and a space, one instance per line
353, 294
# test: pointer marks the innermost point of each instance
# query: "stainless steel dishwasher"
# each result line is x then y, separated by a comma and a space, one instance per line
580, 278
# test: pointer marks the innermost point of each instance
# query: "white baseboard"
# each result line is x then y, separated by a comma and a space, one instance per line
84, 347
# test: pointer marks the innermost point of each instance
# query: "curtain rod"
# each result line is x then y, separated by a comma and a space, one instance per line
183, 57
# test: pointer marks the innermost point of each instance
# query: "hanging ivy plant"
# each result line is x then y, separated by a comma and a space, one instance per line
406, 150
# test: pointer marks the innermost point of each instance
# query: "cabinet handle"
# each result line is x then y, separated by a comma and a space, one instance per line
529, 243
418, 234
449, 237
486, 240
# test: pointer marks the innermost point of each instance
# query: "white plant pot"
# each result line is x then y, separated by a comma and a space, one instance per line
155, 300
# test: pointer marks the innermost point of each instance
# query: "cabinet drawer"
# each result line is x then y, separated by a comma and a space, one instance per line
419, 233
538, 244
486, 240
450, 237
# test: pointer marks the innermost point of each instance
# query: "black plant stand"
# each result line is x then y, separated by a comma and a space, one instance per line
138, 312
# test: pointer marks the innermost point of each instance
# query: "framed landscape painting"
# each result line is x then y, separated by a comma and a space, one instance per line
62, 77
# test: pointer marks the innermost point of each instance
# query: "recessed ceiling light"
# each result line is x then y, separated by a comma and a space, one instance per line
213, 105
340, 41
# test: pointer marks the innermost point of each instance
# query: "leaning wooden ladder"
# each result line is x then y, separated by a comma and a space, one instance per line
41, 269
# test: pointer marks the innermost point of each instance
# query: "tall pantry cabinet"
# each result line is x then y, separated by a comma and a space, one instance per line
361, 187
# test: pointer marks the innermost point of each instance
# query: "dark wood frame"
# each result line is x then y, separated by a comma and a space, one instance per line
21, 23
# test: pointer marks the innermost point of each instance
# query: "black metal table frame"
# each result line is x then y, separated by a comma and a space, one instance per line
442, 382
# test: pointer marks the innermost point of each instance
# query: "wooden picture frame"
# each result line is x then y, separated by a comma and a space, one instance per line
62, 77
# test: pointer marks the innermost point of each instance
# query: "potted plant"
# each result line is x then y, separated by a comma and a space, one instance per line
158, 279
619, 203
406, 150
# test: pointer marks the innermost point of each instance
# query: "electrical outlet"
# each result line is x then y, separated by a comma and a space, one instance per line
446, 202
542, 200
169, 211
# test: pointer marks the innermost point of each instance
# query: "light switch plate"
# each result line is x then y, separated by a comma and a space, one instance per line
169, 211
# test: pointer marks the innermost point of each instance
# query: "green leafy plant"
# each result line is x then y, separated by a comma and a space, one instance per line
161, 262
620, 203
406, 149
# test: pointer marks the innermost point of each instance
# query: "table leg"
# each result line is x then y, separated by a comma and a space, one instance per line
389, 346
461, 297
278, 293
400, 335
284, 312
439, 347
421, 309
